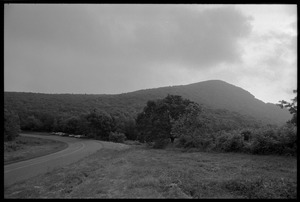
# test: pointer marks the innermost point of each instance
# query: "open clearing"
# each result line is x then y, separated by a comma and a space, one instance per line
24, 148
140, 172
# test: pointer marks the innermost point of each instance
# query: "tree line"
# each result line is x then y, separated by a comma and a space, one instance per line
172, 119
96, 124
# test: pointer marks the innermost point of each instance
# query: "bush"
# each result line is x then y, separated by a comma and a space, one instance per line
287, 136
100, 124
11, 125
230, 141
31, 123
117, 137
247, 147
265, 141
201, 141
246, 135
11, 146
160, 143
187, 142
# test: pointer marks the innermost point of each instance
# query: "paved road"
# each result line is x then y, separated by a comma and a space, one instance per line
77, 149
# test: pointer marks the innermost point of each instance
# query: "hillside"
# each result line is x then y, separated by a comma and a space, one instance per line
218, 94
213, 95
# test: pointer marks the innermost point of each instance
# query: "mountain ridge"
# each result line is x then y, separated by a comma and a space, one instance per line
222, 95
190, 84
215, 94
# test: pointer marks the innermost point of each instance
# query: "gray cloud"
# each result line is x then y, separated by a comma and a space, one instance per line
181, 34
64, 26
135, 33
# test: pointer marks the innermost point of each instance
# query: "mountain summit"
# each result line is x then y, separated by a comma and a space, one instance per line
222, 95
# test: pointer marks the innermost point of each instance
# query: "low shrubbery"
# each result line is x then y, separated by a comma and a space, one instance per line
11, 146
160, 143
11, 125
288, 139
201, 141
268, 140
21, 142
265, 141
229, 141
117, 137
282, 141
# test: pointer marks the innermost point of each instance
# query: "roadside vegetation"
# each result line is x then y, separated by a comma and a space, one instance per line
11, 125
144, 172
24, 148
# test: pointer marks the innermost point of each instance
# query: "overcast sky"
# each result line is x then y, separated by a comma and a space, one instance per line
102, 48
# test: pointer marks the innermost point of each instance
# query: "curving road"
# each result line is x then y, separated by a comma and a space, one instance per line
77, 149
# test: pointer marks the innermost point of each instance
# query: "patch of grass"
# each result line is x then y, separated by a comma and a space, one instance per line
140, 172
262, 187
12, 146
24, 148
148, 181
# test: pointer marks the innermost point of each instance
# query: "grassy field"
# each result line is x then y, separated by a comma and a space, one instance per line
140, 172
23, 148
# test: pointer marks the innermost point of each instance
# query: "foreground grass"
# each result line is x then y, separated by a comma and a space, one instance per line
24, 148
139, 172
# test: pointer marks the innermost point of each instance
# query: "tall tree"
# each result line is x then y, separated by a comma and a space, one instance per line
155, 122
292, 107
72, 125
32, 123
101, 124
188, 122
11, 125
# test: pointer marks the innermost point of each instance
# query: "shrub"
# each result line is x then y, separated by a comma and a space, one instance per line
246, 135
11, 125
229, 141
186, 142
160, 143
247, 147
265, 141
287, 136
12, 146
200, 140
100, 124
117, 137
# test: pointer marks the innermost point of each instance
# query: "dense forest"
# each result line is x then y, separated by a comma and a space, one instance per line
120, 117
213, 95
176, 118
46, 112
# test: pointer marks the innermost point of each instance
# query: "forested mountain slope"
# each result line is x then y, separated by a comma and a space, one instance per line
213, 95
218, 94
